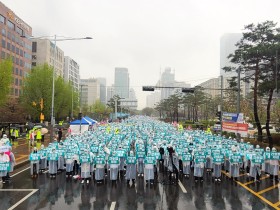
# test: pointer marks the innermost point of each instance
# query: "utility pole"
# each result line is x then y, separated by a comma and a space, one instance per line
238, 92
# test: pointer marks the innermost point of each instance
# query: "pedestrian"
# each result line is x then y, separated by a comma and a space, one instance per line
12, 162
149, 163
130, 168
60, 134
255, 170
173, 164
31, 137
100, 170
53, 161
235, 160
199, 161
34, 163
218, 159
4, 164
85, 166
140, 155
43, 159
274, 164
186, 161
113, 163
266, 163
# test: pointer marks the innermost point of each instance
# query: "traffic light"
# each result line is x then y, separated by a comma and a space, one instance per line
148, 88
80, 116
219, 115
188, 90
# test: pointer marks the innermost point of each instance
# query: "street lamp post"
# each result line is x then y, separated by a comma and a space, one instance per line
53, 79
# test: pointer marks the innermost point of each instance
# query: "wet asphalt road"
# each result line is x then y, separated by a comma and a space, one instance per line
61, 193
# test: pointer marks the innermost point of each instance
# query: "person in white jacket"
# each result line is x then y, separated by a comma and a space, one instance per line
4, 160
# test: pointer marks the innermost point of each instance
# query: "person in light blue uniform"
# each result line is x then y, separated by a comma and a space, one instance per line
43, 159
114, 162
140, 155
85, 166
186, 160
149, 163
130, 168
199, 161
266, 164
100, 170
235, 160
34, 163
53, 159
274, 164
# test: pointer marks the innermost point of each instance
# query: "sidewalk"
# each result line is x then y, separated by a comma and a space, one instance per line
22, 149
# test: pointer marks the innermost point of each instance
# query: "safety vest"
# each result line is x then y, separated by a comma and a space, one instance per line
39, 135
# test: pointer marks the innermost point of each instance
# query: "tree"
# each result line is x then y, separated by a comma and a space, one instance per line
147, 111
252, 56
38, 85
99, 110
6, 69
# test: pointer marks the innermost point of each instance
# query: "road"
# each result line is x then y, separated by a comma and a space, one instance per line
45, 193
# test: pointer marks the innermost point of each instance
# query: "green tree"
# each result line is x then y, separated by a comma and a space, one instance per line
6, 69
148, 111
252, 56
38, 86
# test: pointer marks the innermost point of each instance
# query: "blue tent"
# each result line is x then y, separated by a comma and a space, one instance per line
84, 121
90, 120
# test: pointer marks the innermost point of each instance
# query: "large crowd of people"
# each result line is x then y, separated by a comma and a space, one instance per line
140, 148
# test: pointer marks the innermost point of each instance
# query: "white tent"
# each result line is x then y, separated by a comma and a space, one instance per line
79, 126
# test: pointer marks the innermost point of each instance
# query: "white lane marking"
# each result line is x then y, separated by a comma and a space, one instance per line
23, 199
182, 187
17, 189
20, 171
113, 205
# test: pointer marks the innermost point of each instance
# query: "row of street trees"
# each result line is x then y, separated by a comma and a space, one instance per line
257, 58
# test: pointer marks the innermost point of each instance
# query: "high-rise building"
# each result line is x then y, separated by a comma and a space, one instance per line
227, 47
71, 72
167, 80
122, 82
44, 51
89, 91
15, 46
110, 93
103, 90
212, 86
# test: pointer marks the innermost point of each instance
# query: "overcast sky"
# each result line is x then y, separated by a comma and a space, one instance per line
144, 35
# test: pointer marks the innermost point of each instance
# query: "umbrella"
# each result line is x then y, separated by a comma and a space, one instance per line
44, 131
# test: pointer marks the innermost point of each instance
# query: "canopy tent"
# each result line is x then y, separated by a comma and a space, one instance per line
79, 126
90, 119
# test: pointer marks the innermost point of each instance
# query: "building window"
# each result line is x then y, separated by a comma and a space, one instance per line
9, 35
13, 48
34, 46
16, 81
21, 63
13, 37
33, 63
17, 50
3, 55
12, 91
20, 82
19, 31
34, 57
3, 43
3, 32
10, 25
17, 62
21, 53
2, 19
8, 46
20, 72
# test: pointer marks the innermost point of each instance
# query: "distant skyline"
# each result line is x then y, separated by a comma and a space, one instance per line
144, 36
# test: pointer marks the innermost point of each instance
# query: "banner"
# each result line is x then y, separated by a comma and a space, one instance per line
233, 127
232, 117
